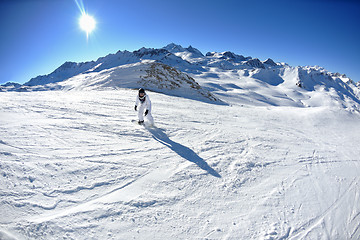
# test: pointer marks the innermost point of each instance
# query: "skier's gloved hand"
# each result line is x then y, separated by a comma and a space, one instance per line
135, 108
146, 112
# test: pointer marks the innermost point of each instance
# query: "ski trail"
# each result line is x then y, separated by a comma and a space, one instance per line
302, 231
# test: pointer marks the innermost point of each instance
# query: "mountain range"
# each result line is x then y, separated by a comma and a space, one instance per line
220, 77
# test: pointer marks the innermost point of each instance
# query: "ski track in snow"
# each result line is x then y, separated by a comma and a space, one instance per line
74, 166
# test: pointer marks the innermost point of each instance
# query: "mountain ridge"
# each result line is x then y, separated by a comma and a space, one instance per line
223, 69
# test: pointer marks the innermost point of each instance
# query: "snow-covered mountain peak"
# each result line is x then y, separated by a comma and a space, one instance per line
150, 52
211, 54
195, 51
227, 55
172, 47
150, 74
67, 65
66, 70
189, 54
230, 54
255, 62
225, 74
270, 62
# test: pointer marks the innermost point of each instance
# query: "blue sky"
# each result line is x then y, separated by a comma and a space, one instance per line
37, 36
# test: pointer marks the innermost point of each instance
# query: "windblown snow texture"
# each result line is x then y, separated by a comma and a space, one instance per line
73, 165
241, 149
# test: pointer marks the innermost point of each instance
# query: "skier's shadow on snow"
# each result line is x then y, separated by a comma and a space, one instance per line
183, 151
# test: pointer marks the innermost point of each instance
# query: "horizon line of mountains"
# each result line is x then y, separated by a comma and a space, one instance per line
165, 55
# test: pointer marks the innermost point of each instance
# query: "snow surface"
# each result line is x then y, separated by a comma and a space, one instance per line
74, 166
242, 149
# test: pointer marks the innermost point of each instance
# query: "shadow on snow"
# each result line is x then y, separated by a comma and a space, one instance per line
182, 150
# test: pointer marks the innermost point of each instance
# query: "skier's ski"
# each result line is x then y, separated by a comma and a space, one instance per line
144, 124
138, 122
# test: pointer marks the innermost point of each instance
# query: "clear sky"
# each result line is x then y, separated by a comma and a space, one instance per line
37, 36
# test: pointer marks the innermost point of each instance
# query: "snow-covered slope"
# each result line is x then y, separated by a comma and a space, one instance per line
225, 75
280, 160
280, 86
65, 71
152, 75
74, 166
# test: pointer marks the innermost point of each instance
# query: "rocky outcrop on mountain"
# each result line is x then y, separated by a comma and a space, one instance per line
163, 77
256, 63
229, 56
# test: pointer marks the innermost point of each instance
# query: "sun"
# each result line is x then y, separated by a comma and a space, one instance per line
87, 23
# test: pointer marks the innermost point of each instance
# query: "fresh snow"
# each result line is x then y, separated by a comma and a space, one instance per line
241, 149
74, 166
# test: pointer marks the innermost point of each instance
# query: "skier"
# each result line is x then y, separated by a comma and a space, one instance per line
143, 106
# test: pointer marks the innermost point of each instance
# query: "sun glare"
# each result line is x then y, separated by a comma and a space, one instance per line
87, 23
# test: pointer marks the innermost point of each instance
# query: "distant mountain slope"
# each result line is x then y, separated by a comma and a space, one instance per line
65, 71
226, 75
152, 75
